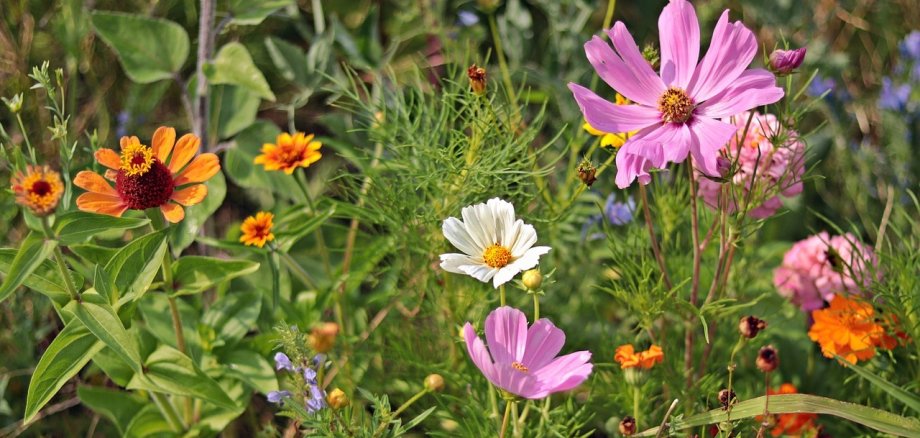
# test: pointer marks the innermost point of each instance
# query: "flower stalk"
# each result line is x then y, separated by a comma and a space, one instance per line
61, 264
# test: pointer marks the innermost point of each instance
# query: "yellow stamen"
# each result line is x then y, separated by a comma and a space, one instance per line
496, 256
675, 105
136, 159
520, 367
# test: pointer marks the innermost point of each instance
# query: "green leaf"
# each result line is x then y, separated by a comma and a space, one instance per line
100, 318
195, 274
34, 250
102, 282
289, 59
78, 226
171, 372
233, 65
150, 49
911, 400
252, 12
113, 367
134, 267
183, 234
290, 236
45, 279
148, 422
234, 315
118, 406
233, 109
801, 403
252, 369
65, 357
158, 322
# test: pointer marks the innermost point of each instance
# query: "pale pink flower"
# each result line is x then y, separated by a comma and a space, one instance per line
523, 362
779, 168
676, 111
817, 268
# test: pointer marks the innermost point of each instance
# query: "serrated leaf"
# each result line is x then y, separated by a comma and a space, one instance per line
118, 406
78, 226
171, 372
33, 250
233, 65
102, 320
134, 267
195, 274
150, 49
45, 279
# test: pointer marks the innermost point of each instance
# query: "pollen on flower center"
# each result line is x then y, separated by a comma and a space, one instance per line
136, 159
520, 367
496, 256
675, 105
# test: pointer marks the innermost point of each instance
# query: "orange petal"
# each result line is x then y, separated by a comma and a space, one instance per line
162, 143
200, 170
110, 175
185, 149
95, 183
172, 212
108, 158
125, 141
103, 204
190, 195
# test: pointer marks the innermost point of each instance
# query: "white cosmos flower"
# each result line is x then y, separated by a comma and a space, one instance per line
495, 245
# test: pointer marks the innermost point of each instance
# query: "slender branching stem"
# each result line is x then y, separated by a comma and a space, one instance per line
168, 410
695, 280
507, 416
651, 234
205, 50
61, 264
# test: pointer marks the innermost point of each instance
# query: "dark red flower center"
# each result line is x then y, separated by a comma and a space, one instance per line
40, 188
150, 189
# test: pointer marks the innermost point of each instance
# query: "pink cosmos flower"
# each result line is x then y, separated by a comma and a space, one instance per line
779, 168
817, 268
677, 110
523, 362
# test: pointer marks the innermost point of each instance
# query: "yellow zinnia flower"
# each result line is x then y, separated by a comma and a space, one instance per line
257, 230
39, 189
289, 152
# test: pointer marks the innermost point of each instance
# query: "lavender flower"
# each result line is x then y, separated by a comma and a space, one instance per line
619, 213
283, 362
893, 97
821, 85
309, 374
317, 399
784, 62
467, 18
910, 46
278, 396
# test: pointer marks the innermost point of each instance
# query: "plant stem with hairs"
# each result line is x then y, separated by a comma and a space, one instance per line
205, 49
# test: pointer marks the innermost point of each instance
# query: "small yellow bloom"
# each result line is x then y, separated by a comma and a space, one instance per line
608, 139
289, 152
337, 399
39, 189
257, 230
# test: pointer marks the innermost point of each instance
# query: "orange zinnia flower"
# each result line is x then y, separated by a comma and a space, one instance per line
39, 189
850, 329
257, 230
628, 358
289, 152
790, 424
148, 177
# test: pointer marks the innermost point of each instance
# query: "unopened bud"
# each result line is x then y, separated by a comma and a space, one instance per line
322, 338
767, 359
337, 399
650, 53
14, 104
587, 172
532, 279
784, 62
726, 398
434, 382
628, 426
488, 6
477, 77
750, 326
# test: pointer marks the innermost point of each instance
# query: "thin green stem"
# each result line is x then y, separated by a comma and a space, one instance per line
695, 287
59, 260
493, 400
320, 241
502, 62
651, 233
399, 410
536, 306
297, 270
515, 420
501, 295
636, 405
318, 24
168, 411
505, 419
25, 136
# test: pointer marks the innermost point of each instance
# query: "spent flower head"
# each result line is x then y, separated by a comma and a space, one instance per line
38, 189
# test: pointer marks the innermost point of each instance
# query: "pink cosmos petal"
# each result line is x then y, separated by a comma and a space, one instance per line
477, 351
732, 49
635, 158
709, 136
641, 70
755, 87
566, 372
544, 341
679, 32
609, 117
615, 73
506, 333
671, 137
517, 382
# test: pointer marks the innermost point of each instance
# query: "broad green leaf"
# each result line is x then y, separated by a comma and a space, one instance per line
113, 366
234, 315
148, 422
252, 12
100, 318
289, 59
118, 406
45, 279
305, 225
34, 250
251, 368
134, 266
911, 400
233, 65
102, 282
194, 274
183, 234
65, 357
171, 372
158, 322
233, 109
94, 254
150, 49
78, 226
801, 403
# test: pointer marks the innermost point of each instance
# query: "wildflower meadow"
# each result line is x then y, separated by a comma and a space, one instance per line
462, 218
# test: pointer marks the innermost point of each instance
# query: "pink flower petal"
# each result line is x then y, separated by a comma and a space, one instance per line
616, 73
506, 333
679, 32
609, 117
523, 384
544, 341
643, 75
709, 136
755, 87
565, 372
634, 159
478, 352
673, 138
731, 51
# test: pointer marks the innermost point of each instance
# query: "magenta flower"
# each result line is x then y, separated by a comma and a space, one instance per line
677, 111
523, 362
783, 62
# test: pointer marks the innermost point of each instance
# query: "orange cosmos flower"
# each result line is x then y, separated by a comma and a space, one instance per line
39, 189
257, 230
628, 358
791, 424
289, 152
148, 177
850, 329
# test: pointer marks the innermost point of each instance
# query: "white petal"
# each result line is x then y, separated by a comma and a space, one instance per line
453, 262
512, 234
505, 275
480, 224
530, 258
525, 239
458, 235
482, 273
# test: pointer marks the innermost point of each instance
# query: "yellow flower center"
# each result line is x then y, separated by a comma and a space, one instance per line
496, 256
675, 106
136, 159
520, 367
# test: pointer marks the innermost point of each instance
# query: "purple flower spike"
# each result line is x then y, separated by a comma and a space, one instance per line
309, 374
525, 360
283, 362
784, 62
317, 399
278, 396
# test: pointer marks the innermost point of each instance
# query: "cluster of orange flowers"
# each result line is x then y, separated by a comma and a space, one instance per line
627, 357
849, 328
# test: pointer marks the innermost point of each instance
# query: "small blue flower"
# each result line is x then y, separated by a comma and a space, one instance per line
317, 399
318, 360
893, 97
283, 362
820, 85
910, 46
309, 374
619, 213
467, 18
278, 396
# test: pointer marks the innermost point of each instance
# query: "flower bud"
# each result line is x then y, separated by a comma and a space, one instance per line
586, 173
434, 382
322, 338
532, 279
477, 77
650, 53
726, 398
635, 376
337, 399
767, 359
784, 62
488, 6
14, 104
628, 426
750, 326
